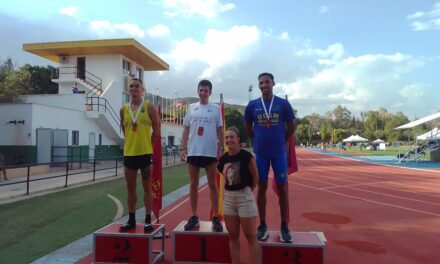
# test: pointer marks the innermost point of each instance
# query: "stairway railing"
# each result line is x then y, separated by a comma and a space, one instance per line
100, 104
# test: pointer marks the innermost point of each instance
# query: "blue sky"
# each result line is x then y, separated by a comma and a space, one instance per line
360, 54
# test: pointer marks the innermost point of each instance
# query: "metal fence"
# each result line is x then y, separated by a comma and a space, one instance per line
75, 167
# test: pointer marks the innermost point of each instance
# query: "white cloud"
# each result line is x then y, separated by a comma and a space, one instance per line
323, 9
284, 36
188, 8
219, 48
106, 28
430, 20
333, 53
413, 91
158, 31
416, 15
360, 82
69, 11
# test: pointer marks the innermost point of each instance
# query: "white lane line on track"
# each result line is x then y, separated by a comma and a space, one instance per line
181, 203
361, 190
119, 207
395, 182
379, 164
367, 200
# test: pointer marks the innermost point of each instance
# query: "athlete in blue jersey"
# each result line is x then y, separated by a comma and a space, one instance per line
270, 122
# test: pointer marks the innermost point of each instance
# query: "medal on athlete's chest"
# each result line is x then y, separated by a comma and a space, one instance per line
267, 112
134, 118
200, 131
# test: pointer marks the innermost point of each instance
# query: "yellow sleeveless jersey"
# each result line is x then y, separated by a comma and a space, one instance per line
137, 141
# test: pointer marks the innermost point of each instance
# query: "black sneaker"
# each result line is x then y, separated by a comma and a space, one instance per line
216, 225
148, 228
127, 226
193, 222
262, 232
285, 234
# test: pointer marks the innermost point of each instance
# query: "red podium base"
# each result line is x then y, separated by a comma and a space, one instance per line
200, 246
306, 248
134, 246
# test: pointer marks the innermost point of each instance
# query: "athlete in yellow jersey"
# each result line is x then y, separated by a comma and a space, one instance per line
140, 124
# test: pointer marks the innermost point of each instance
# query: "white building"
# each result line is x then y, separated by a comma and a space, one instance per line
53, 126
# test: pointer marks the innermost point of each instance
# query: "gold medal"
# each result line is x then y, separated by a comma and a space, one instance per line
134, 127
267, 123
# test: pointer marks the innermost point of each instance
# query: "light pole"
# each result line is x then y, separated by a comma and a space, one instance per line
250, 91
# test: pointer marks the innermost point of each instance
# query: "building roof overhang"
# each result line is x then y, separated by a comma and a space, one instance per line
129, 48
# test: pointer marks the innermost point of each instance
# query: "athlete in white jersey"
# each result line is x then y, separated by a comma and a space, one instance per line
202, 144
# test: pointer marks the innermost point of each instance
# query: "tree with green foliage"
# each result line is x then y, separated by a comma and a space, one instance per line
16, 83
27, 79
233, 117
325, 131
342, 117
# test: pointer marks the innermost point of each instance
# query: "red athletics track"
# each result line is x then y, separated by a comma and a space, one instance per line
368, 213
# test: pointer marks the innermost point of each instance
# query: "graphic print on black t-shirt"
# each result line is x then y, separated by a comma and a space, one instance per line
231, 171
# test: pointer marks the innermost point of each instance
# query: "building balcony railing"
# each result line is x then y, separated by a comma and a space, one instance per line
88, 78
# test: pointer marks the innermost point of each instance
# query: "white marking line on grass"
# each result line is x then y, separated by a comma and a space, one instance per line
361, 190
367, 200
119, 207
181, 203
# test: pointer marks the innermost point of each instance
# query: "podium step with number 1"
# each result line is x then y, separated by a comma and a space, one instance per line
201, 245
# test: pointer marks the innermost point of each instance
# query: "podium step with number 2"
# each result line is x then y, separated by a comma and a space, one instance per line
134, 246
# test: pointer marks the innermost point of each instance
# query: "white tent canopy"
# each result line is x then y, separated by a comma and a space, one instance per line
419, 121
433, 134
355, 138
378, 141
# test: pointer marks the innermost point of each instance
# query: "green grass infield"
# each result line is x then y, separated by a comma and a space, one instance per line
34, 227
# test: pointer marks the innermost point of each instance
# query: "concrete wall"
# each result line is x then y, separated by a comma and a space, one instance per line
168, 129
45, 116
60, 118
18, 134
65, 101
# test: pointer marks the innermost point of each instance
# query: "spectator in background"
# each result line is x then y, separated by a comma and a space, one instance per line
74, 89
3, 166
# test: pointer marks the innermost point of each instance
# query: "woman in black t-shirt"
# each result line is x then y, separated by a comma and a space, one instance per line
241, 176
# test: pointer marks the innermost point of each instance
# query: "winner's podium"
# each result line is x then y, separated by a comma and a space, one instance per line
134, 246
201, 245
306, 248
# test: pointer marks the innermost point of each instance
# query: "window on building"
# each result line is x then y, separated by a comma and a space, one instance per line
100, 139
126, 66
140, 73
75, 137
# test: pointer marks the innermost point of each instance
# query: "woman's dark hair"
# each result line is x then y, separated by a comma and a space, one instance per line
234, 129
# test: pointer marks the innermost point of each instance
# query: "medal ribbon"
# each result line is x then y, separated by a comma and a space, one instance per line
134, 118
270, 107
